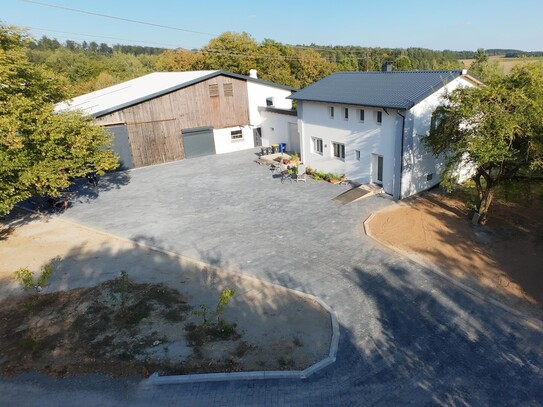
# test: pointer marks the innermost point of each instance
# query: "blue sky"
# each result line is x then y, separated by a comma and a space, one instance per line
437, 24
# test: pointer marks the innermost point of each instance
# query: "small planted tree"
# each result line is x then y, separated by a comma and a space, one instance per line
28, 281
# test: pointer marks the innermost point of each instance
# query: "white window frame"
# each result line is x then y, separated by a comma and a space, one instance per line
357, 154
317, 142
346, 113
331, 112
361, 115
340, 150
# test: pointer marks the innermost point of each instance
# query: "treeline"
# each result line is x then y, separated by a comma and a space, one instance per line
90, 66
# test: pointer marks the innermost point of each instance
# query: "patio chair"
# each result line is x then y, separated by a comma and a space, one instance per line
300, 174
283, 168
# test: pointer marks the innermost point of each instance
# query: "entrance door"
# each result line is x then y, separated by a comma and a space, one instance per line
293, 138
257, 134
377, 169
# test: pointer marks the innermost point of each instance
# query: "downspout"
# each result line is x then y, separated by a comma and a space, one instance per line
401, 156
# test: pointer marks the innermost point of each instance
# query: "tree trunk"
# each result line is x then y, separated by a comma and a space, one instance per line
486, 193
484, 205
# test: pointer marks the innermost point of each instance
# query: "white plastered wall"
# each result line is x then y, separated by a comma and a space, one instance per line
225, 144
275, 127
258, 93
418, 163
367, 137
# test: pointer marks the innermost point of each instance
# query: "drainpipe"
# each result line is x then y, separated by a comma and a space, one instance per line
401, 157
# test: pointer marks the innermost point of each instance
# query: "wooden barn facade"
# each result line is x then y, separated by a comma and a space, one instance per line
168, 116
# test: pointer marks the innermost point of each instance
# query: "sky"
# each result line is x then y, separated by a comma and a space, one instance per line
437, 24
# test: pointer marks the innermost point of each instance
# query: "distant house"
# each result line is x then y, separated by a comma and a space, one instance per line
367, 125
167, 116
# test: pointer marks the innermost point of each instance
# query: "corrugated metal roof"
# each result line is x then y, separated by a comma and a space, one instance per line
117, 97
396, 90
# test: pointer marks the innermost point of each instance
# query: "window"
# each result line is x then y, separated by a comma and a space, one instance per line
429, 177
269, 101
317, 145
379, 117
213, 90
236, 135
331, 112
346, 113
228, 89
357, 155
361, 115
339, 150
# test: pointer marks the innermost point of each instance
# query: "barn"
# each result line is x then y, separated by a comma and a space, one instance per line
168, 116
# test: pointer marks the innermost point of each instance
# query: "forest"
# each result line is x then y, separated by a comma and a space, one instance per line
90, 66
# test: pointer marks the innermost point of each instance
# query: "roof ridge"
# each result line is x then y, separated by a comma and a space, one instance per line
394, 72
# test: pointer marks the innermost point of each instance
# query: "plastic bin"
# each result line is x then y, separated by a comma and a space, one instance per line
282, 147
264, 150
275, 148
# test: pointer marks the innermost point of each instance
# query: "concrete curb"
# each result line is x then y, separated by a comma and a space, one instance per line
429, 266
156, 379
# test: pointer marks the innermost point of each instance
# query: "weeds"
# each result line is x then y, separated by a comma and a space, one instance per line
27, 280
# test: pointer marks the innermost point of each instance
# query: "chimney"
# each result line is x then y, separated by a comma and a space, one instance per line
253, 73
387, 66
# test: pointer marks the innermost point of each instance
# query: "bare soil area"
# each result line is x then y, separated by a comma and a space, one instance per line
91, 320
504, 257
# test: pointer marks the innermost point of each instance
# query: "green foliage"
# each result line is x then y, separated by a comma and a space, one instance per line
224, 299
485, 69
323, 176
497, 130
41, 152
28, 281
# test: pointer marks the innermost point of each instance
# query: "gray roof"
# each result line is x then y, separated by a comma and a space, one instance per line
396, 89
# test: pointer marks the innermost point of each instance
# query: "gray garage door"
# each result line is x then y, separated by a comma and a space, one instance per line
121, 145
198, 142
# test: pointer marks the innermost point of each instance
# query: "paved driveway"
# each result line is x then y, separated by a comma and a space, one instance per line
408, 336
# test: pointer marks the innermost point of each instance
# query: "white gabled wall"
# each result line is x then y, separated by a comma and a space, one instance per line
418, 163
275, 128
368, 137
225, 144
258, 93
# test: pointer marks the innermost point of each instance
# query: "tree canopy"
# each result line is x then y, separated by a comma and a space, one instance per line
497, 130
40, 152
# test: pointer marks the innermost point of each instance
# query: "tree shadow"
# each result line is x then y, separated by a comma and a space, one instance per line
79, 191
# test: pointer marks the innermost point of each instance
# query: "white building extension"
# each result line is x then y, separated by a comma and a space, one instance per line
368, 126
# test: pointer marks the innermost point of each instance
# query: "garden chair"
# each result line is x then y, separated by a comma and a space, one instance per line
285, 174
300, 174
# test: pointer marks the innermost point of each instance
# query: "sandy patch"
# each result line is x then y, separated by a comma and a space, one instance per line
281, 330
504, 256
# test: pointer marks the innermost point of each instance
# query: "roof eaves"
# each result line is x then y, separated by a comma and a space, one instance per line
408, 105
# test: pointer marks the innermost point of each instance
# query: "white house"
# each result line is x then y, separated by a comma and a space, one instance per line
368, 126
167, 116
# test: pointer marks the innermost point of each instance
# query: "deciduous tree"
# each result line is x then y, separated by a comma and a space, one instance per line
497, 130
40, 152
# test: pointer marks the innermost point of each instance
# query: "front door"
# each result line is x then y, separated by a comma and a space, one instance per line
257, 134
377, 169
